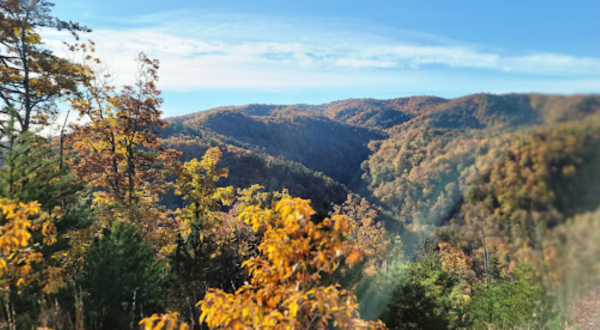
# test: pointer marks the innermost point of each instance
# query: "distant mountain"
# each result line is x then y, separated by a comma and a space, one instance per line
410, 155
317, 142
472, 111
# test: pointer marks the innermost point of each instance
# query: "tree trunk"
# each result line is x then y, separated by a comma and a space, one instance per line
486, 255
28, 109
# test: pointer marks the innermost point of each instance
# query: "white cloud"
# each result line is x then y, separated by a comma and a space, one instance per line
366, 63
275, 54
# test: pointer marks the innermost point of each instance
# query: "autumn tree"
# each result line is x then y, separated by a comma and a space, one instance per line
196, 183
285, 290
119, 152
18, 252
368, 233
32, 78
30, 173
210, 245
255, 195
167, 321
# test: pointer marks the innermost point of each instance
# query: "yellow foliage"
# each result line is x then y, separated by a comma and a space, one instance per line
256, 196
118, 154
369, 235
455, 261
17, 253
197, 183
169, 321
286, 291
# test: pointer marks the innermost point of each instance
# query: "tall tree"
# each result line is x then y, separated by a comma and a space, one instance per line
210, 245
32, 78
119, 152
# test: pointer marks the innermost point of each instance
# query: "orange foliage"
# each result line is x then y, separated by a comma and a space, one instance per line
369, 235
286, 291
455, 260
169, 321
16, 252
119, 154
119, 150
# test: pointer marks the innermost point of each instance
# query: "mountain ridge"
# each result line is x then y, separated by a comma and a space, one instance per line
370, 112
373, 147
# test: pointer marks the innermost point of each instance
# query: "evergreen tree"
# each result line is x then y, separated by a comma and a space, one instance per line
29, 171
121, 279
425, 297
506, 303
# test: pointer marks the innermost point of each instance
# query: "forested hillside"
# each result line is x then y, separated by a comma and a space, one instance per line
411, 156
496, 176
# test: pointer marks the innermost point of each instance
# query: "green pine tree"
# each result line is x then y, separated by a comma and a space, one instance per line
29, 171
122, 280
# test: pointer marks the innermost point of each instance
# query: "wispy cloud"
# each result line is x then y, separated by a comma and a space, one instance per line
235, 51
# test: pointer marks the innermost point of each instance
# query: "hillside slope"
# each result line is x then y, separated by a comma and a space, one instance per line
416, 157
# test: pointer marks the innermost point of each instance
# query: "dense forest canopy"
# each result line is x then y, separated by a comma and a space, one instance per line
385, 149
480, 212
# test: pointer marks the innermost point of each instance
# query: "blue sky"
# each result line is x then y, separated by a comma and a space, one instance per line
220, 52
